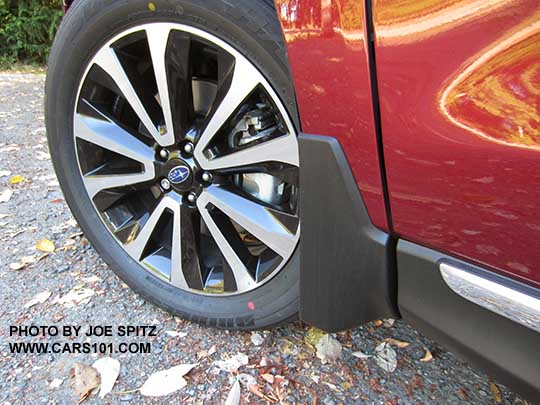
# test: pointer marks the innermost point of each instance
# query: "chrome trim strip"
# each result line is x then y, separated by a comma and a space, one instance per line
505, 301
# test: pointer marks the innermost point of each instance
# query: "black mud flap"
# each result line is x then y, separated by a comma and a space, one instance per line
348, 267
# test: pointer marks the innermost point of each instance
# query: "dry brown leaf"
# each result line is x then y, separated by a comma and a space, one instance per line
427, 357
232, 364
24, 262
166, 382
386, 357
378, 322
234, 395
269, 378
495, 392
38, 299
45, 245
16, 179
17, 266
313, 336
86, 380
76, 296
328, 349
398, 343
108, 369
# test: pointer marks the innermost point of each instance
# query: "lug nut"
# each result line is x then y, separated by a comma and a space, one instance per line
165, 184
192, 197
207, 177
188, 148
164, 153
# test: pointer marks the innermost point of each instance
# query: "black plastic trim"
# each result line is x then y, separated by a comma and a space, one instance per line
347, 272
370, 43
506, 350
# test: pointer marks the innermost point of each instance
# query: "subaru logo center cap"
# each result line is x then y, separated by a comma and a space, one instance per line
178, 174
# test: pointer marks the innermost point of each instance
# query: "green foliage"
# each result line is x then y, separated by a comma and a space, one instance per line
27, 29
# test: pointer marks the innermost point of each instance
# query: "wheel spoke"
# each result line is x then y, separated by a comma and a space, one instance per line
137, 245
179, 74
189, 244
112, 137
245, 78
109, 62
158, 35
255, 218
283, 149
177, 251
96, 183
243, 279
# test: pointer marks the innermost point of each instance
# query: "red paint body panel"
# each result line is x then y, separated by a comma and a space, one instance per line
459, 85
329, 62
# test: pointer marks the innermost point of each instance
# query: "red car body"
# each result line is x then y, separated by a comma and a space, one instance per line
459, 114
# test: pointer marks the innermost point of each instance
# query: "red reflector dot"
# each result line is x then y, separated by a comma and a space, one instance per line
251, 305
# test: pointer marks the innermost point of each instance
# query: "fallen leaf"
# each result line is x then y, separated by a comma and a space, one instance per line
108, 369
257, 339
76, 296
495, 392
57, 382
313, 336
25, 261
386, 357
16, 179
232, 364
166, 382
45, 245
361, 355
6, 196
4, 173
328, 349
17, 266
173, 333
234, 394
287, 348
427, 357
269, 378
86, 380
398, 343
378, 322
255, 390
91, 279
38, 299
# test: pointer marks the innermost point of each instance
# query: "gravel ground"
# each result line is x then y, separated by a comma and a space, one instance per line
37, 211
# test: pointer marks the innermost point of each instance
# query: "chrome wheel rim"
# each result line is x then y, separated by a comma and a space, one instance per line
189, 158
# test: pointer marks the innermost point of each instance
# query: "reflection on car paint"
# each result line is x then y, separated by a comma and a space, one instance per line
459, 96
497, 96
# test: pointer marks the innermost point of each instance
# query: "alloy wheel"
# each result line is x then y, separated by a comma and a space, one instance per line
189, 157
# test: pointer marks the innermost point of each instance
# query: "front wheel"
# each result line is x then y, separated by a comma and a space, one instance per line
170, 126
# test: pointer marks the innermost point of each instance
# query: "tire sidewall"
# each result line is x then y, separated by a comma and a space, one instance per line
90, 25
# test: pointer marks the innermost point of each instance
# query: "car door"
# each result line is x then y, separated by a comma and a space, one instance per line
459, 92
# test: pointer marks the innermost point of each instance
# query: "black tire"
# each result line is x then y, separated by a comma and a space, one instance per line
251, 26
